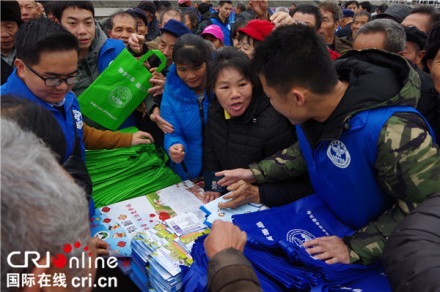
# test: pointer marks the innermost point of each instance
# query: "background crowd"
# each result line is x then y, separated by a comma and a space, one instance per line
251, 101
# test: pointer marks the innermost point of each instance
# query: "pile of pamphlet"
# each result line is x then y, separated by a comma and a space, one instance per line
160, 251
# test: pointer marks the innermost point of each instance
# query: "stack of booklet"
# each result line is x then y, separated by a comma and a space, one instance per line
161, 250
124, 173
213, 212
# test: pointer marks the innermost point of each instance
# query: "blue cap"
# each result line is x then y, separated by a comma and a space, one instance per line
138, 13
347, 13
176, 28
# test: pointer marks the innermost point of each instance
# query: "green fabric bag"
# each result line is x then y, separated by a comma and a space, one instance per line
119, 90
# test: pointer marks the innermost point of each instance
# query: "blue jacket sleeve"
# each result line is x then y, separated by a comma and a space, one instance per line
167, 112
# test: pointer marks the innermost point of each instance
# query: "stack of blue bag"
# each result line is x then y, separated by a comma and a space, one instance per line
274, 248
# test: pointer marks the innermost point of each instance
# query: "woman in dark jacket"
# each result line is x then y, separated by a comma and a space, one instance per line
242, 125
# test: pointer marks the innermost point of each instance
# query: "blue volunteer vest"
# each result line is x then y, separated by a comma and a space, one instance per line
342, 171
226, 28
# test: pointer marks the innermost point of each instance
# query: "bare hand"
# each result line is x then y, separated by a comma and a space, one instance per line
281, 18
224, 235
177, 153
141, 138
157, 81
135, 42
210, 196
329, 248
242, 193
234, 175
100, 245
166, 127
142, 108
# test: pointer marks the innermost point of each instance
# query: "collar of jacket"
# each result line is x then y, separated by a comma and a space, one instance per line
376, 79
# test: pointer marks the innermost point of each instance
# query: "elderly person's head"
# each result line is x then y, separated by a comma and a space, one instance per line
381, 34
42, 209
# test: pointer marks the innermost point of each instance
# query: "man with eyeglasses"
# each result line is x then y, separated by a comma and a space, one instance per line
46, 71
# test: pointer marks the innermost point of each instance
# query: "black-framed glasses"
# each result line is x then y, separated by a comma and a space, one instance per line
53, 81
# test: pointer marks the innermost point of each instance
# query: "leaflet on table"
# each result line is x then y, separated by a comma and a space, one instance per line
184, 197
215, 213
117, 223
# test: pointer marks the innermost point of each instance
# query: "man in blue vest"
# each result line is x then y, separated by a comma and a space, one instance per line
220, 18
369, 153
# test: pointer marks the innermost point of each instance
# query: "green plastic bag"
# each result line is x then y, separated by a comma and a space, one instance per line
119, 90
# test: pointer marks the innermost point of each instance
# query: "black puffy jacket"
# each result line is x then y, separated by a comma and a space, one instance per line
235, 143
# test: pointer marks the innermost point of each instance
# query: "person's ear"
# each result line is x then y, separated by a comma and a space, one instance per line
337, 24
21, 67
109, 33
297, 96
38, 274
420, 56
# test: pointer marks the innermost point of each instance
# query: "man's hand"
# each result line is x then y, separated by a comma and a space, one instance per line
136, 42
166, 127
100, 245
177, 153
234, 175
210, 196
141, 138
329, 248
142, 108
242, 193
281, 18
157, 81
224, 235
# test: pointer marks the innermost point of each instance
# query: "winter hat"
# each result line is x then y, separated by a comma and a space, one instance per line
176, 28
347, 13
215, 31
138, 13
258, 29
414, 35
11, 12
398, 12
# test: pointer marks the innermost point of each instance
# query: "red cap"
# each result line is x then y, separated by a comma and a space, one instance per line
258, 29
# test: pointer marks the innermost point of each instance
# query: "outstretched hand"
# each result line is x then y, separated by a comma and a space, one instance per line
330, 249
234, 175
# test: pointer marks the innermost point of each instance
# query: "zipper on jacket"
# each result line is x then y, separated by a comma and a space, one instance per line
89, 74
202, 117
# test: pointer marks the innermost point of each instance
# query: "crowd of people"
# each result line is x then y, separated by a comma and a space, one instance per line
341, 100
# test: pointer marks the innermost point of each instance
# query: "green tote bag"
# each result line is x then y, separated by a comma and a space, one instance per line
119, 90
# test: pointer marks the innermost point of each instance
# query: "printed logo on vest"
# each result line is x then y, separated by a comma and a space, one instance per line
120, 97
338, 154
299, 236
78, 117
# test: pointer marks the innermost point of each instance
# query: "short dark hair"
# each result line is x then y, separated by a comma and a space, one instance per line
221, 3
36, 119
351, 2
203, 8
191, 50
427, 10
241, 6
382, 7
148, 6
362, 13
366, 5
310, 9
238, 24
333, 8
295, 55
42, 35
160, 4
60, 6
231, 58
122, 14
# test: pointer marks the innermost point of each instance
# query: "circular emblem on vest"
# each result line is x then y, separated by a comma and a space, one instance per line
120, 97
338, 154
299, 236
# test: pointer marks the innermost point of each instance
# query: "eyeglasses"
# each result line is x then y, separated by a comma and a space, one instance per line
53, 82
